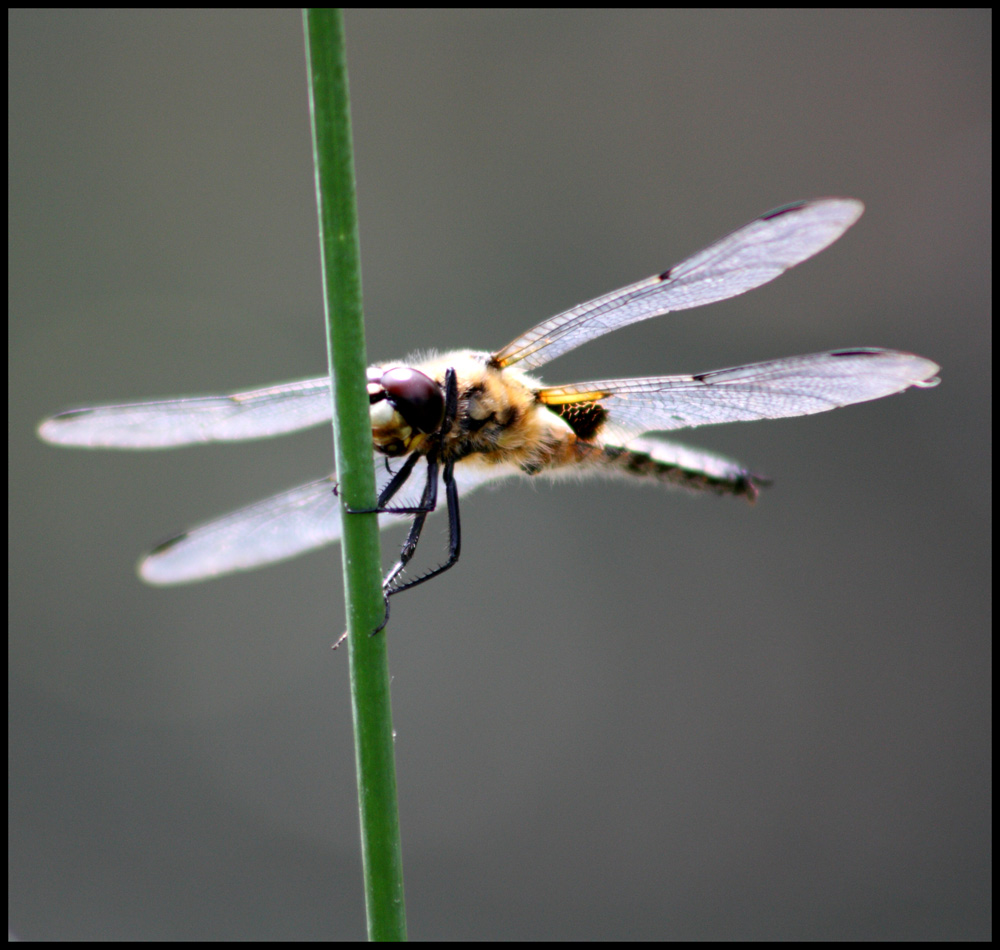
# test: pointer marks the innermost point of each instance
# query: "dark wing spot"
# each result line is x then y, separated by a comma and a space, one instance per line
865, 351
168, 544
586, 419
784, 209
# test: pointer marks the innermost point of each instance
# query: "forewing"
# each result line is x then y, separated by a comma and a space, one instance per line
747, 258
278, 528
285, 407
797, 386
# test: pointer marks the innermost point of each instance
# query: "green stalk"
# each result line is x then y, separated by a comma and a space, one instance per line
373, 744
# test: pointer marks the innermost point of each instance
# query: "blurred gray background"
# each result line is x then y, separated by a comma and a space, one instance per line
627, 713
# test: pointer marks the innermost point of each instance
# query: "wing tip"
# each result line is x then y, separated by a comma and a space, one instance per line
908, 368
58, 429
846, 210
155, 566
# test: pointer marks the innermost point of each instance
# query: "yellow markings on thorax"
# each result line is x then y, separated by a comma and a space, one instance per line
563, 397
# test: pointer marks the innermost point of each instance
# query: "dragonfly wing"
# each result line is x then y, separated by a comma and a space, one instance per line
272, 530
747, 258
273, 410
277, 528
796, 386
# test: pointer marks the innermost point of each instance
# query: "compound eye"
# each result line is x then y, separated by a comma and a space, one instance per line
416, 397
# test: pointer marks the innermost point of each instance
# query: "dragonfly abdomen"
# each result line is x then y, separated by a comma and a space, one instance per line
677, 465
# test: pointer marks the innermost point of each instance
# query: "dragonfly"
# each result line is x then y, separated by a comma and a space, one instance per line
443, 425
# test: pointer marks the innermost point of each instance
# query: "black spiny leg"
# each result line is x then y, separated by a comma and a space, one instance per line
388, 493
428, 503
410, 545
454, 537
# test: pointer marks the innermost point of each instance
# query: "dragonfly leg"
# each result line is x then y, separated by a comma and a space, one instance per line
454, 539
392, 487
427, 504
380, 627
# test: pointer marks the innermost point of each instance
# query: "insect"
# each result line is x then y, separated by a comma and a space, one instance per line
449, 423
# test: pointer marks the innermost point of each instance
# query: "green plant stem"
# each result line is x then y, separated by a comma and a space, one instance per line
373, 743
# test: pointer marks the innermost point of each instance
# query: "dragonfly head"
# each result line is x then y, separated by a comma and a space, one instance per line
405, 405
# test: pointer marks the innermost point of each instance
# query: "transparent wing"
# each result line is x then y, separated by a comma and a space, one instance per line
747, 258
157, 425
280, 527
797, 386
